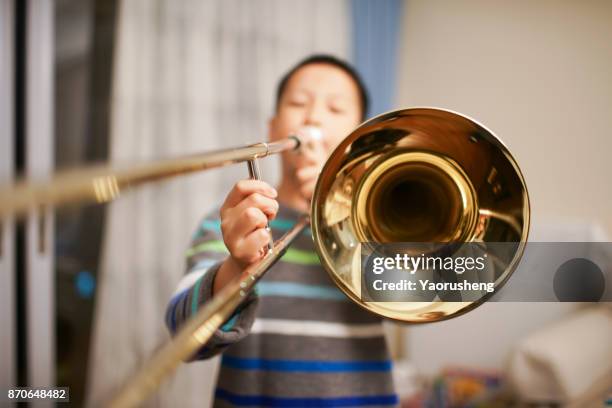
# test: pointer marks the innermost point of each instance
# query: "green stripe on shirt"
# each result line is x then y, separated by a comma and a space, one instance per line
294, 256
194, 296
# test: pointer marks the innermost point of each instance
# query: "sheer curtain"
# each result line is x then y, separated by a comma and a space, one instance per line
189, 76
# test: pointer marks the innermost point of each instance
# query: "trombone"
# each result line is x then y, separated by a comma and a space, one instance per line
412, 175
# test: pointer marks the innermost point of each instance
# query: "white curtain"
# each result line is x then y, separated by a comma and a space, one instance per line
189, 76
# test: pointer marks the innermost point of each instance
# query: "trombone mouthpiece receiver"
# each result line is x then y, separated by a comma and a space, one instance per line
308, 133
307, 136
311, 132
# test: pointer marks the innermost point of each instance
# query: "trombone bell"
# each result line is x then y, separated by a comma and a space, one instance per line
416, 175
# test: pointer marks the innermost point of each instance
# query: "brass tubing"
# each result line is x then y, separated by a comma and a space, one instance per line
200, 328
104, 183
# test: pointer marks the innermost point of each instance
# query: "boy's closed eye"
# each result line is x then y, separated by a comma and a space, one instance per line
297, 103
337, 109
337, 105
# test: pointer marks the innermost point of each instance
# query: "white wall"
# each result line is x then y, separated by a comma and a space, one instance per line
482, 338
539, 74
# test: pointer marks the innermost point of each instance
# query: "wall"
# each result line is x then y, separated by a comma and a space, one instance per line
538, 75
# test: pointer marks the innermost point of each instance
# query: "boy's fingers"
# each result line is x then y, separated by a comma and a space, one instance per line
267, 205
244, 188
247, 221
250, 214
250, 247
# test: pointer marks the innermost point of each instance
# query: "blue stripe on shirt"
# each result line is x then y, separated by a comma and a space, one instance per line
262, 400
171, 321
203, 264
229, 325
310, 366
292, 289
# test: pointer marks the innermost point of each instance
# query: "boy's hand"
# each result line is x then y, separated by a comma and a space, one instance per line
244, 215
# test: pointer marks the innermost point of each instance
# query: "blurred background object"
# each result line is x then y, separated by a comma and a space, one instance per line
565, 362
83, 289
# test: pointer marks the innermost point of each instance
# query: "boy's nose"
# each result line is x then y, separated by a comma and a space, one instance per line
313, 120
314, 116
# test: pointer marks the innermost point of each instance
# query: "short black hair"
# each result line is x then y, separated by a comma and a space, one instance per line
333, 61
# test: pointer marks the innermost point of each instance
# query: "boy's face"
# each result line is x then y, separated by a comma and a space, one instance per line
319, 95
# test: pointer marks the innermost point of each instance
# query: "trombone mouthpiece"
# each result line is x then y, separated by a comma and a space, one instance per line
307, 136
311, 132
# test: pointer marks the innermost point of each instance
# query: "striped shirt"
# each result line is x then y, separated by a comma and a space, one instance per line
297, 340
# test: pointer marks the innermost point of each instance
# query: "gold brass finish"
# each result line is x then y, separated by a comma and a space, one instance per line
417, 175
105, 183
445, 210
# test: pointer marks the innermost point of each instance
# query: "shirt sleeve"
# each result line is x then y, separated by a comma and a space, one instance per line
204, 257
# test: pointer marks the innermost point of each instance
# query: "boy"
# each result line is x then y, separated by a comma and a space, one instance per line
297, 341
